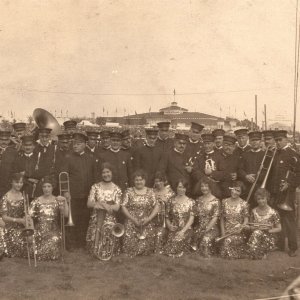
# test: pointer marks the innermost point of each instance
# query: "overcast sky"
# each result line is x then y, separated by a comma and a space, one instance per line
216, 53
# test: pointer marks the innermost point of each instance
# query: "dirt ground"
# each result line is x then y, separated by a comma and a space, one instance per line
154, 277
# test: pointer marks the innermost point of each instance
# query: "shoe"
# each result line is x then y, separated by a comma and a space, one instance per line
292, 253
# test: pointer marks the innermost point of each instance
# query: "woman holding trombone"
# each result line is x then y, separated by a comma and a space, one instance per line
46, 211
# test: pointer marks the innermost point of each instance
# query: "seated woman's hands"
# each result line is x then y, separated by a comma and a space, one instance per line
61, 202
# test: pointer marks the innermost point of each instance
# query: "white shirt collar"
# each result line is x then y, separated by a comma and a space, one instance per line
178, 151
115, 151
28, 155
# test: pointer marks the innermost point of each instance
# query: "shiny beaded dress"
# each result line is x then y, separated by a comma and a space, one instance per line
139, 206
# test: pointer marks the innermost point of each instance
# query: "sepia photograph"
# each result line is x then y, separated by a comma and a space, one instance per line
149, 149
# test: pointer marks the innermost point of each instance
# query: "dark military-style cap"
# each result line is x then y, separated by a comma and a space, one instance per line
70, 124
229, 139
151, 131
197, 126
80, 136
44, 130
278, 134
92, 134
115, 135
268, 133
5, 134
163, 125
181, 136
125, 134
240, 132
20, 126
218, 132
105, 134
63, 136
255, 135
27, 139
208, 137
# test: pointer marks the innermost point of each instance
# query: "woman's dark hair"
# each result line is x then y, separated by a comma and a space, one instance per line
239, 184
262, 193
139, 173
183, 181
16, 177
107, 165
49, 179
161, 177
197, 189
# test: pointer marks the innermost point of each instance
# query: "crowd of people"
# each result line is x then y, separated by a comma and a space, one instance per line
229, 195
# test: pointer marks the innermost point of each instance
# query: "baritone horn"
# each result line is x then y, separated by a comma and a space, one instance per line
106, 233
64, 187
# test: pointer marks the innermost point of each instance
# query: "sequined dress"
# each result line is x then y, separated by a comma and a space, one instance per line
261, 241
47, 235
163, 201
179, 214
14, 243
139, 206
110, 196
234, 246
206, 210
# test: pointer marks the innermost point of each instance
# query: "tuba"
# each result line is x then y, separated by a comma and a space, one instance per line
105, 236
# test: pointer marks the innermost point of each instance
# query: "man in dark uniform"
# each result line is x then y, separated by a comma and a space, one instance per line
175, 162
104, 141
242, 141
163, 140
7, 157
148, 157
70, 126
119, 159
228, 165
249, 166
27, 163
126, 142
218, 134
269, 139
91, 145
81, 169
62, 151
19, 131
285, 179
195, 144
46, 153
207, 165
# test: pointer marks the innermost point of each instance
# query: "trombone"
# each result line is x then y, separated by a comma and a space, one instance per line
64, 187
28, 231
261, 168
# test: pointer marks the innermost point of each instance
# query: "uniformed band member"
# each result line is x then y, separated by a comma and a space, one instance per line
284, 181
119, 159
269, 141
148, 157
195, 144
62, 151
175, 164
218, 134
7, 157
242, 141
70, 126
81, 168
163, 140
249, 165
19, 129
91, 145
104, 141
126, 141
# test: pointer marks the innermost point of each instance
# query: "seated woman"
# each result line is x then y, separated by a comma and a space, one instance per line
105, 200
45, 212
13, 216
140, 207
163, 194
264, 224
179, 222
234, 217
207, 209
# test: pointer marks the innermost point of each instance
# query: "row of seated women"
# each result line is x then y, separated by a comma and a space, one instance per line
169, 222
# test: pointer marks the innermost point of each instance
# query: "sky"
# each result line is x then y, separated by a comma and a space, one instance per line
128, 56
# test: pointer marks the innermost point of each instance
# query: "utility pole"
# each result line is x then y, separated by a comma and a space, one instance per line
256, 110
265, 113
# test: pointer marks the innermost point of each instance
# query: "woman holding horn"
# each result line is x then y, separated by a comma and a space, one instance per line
45, 211
104, 199
234, 218
264, 224
13, 216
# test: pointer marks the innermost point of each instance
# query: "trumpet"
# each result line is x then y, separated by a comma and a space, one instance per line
105, 236
28, 231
